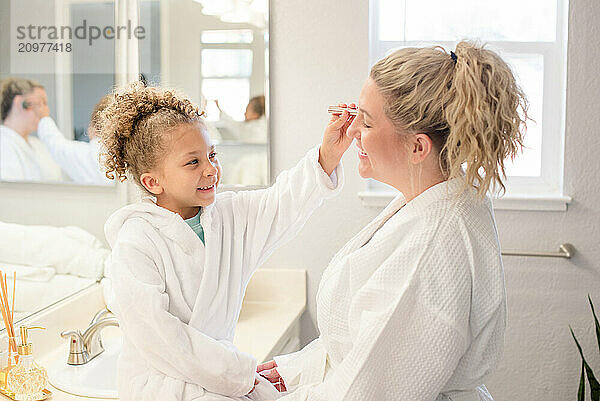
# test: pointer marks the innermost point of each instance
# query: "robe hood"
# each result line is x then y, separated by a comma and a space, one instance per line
167, 222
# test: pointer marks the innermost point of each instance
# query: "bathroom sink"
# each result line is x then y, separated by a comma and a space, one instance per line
97, 378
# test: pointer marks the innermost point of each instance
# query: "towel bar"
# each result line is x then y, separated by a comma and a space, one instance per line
564, 251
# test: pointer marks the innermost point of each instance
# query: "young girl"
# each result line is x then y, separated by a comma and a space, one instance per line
181, 261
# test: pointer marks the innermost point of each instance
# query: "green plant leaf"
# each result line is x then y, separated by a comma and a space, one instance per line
594, 385
581, 392
595, 321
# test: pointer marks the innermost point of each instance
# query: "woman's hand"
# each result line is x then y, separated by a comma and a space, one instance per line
268, 371
335, 141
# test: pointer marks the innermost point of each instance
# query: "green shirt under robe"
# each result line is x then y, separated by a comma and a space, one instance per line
194, 222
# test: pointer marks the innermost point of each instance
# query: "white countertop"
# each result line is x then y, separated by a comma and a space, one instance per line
263, 325
274, 301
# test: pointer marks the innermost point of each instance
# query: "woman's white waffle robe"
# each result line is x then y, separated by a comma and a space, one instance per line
178, 301
411, 309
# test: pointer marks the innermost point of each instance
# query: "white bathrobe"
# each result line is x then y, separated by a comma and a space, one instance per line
79, 160
252, 131
22, 160
411, 309
178, 301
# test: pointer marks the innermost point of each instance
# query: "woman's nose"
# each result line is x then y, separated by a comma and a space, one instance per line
353, 130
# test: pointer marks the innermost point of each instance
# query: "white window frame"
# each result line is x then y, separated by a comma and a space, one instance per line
522, 193
229, 46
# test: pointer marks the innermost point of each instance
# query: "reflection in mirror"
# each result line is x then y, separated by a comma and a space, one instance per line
49, 94
54, 73
216, 52
50, 263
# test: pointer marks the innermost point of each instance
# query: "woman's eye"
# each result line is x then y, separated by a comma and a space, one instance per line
366, 125
195, 161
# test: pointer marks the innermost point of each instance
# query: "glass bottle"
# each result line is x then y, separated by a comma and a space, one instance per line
27, 379
8, 359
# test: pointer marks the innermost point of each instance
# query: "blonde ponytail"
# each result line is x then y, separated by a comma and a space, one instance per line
486, 114
470, 106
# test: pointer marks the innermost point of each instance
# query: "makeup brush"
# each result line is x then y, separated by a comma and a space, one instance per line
336, 110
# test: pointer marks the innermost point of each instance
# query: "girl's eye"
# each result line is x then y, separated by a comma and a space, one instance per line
365, 125
212, 155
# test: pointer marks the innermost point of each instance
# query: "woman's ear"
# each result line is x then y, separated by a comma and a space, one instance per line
421, 148
150, 182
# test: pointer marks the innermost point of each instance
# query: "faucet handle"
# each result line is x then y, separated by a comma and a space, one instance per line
77, 352
100, 315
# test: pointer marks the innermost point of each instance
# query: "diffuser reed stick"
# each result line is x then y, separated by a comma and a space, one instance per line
12, 314
7, 312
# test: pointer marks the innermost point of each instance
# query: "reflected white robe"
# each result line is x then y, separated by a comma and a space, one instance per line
412, 308
178, 301
252, 131
22, 160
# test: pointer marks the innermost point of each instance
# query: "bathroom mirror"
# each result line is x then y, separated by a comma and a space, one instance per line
216, 52
54, 45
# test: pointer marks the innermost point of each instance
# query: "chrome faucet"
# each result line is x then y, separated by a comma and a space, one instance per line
85, 347
101, 313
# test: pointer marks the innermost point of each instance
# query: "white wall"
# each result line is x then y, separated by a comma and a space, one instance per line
60, 205
319, 57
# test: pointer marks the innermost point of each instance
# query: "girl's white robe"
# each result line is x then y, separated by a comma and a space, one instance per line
411, 309
178, 301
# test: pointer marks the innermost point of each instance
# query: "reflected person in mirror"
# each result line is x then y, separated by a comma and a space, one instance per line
182, 257
250, 168
254, 127
23, 157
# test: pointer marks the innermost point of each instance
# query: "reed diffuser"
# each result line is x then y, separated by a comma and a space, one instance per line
22, 379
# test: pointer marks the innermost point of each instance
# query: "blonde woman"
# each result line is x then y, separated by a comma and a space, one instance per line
413, 307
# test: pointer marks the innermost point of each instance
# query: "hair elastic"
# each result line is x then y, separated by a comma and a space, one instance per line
454, 57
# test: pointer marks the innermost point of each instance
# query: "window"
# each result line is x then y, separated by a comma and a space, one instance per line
228, 36
529, 35
226, 70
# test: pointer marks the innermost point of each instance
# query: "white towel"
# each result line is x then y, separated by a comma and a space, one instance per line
39, 274
69, 250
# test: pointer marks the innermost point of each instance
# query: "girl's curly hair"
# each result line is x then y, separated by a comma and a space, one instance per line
133, 125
